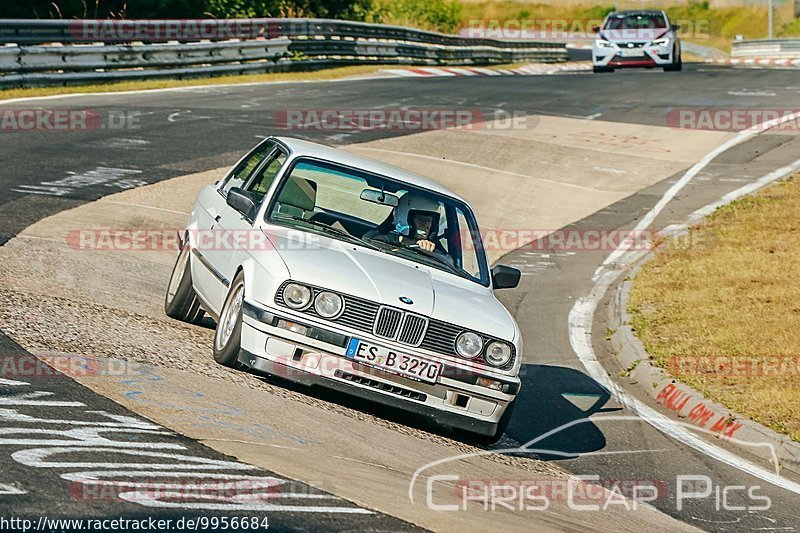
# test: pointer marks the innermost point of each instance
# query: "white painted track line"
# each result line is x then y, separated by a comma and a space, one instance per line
581, 316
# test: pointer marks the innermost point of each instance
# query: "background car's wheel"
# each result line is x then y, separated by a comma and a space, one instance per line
181, 302
602, 69
677, 63
228, 336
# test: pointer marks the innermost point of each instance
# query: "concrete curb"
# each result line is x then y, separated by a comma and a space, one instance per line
686, 403
757, 62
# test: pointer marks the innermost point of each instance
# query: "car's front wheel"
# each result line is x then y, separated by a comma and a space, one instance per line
228, 336
181, 302
677, 63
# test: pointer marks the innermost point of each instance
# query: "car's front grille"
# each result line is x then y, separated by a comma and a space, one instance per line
395, 324
413, 329
388, 322
632, 44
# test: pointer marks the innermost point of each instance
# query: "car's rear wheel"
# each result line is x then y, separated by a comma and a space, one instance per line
602, 69
181, 302
228, 336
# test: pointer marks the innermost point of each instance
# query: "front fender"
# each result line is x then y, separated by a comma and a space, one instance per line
263, 274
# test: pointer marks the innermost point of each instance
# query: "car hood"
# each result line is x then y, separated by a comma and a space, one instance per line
384, 279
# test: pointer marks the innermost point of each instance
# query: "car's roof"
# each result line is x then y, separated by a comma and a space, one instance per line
637, 12
300, 147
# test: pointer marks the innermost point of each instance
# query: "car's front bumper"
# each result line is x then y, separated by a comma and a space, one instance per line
317, 358
652, 56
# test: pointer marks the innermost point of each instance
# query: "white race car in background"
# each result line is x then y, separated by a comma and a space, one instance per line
637, 39
303, 256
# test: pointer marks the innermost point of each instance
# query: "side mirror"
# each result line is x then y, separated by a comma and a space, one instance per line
505, 277
596, 29
242, 201
674, 27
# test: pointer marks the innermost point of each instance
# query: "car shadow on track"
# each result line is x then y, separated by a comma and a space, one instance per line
551, 400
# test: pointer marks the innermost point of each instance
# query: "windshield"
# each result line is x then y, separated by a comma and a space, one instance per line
384, 215
635, 21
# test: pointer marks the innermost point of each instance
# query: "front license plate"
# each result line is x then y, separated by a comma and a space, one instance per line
391, 361
633, 52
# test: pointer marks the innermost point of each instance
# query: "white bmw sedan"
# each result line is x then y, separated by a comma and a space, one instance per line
339, 271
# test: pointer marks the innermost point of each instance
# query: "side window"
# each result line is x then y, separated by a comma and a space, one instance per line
260, 183
469, 257
241, 173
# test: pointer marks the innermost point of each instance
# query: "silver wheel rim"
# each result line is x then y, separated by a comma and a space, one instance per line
177, 274
229, 318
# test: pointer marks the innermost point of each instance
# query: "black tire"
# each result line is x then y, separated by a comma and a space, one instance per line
677, 64
228, 335
181, 302
602, 69
488, 440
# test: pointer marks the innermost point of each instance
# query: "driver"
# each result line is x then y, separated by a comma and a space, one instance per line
416, 223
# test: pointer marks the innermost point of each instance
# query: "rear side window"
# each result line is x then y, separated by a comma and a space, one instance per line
242, 172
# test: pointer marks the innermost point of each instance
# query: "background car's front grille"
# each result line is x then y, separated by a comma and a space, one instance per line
396, 324
388, 322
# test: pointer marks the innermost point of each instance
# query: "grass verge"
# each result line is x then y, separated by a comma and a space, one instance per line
720, 308
324, 74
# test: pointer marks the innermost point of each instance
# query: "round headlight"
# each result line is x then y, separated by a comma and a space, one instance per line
328, 304
498, 353
296, 296
469, 345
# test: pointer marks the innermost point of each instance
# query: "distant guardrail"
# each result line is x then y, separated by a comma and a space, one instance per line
766, 49
54, 52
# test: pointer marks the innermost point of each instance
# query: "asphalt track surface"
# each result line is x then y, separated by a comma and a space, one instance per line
180, 132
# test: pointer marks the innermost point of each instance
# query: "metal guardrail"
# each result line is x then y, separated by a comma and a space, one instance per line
766, 49
48, 52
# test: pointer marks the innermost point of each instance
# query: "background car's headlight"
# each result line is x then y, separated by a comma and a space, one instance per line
328, 304
498, 353
469, 345
661, 42
296, 296
602, 43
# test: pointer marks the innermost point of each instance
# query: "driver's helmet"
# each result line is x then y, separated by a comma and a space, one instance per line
416, 216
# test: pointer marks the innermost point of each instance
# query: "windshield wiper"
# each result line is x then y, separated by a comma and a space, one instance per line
329, 229
441, 261
421, 253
